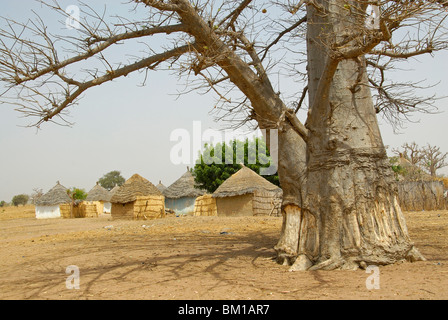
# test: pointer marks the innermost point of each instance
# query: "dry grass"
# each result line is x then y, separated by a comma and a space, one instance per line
195, 258
7, 213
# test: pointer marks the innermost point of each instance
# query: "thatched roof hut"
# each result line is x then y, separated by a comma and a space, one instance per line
245, 181
114, 190
98, 201
49, 205
138, 198
133, 187
181, 195
55, 196
160, 186
183, 187
98, 193
247, 193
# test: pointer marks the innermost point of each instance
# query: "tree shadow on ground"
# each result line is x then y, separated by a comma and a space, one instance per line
134, 261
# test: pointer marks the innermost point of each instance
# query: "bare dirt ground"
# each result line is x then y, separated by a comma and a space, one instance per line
195, 258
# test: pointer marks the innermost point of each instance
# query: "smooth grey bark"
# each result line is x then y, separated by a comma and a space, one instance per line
340, 207
348, 214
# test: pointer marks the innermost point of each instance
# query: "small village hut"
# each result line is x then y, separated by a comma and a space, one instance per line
181, 195
246, 193
161, 186
100, 198
137, 199
53, 203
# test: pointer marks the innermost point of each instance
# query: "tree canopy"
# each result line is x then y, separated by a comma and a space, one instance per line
218, 162
111, 179
44, 73
21, 199
77, 193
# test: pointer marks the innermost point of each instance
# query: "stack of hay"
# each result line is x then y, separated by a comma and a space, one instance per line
137, 199
181, 195
205, 206
246, 193
75, 209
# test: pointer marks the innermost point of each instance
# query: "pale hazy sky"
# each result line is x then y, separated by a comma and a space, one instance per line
122, 126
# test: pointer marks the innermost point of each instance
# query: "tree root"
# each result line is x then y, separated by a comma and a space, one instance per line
302, 263
414, 255
284, 258
330, 264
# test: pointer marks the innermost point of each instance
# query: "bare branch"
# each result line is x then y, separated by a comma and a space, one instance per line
280, 35
149, 63
236, 46
54, 66
160, 5
233, 16
302, 98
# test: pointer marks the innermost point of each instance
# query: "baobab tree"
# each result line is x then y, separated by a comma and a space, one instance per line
433, 159
411, 152
340, 207
428, 158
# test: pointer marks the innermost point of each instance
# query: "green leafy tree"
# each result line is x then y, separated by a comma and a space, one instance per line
111, 179
77, 194
2, 204
20, 199
398, 169
217, 163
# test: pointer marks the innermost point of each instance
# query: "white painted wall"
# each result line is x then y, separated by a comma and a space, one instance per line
107, 207
48, 212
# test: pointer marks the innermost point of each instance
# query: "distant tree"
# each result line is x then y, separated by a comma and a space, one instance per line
419, 161
411, 152
397, 168
20, 199
37, 193
77, 194
111, 179
433, 159
2, 204
218, 163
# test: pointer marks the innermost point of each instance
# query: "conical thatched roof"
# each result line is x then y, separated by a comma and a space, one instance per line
98, 193
183, 187
135, 186
114, 190
56, 195
242, 182
161, 187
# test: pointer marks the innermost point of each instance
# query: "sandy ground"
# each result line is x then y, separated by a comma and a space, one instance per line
195, 258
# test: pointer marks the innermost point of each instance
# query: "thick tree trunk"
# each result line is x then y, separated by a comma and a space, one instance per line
340, 205
347, 214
